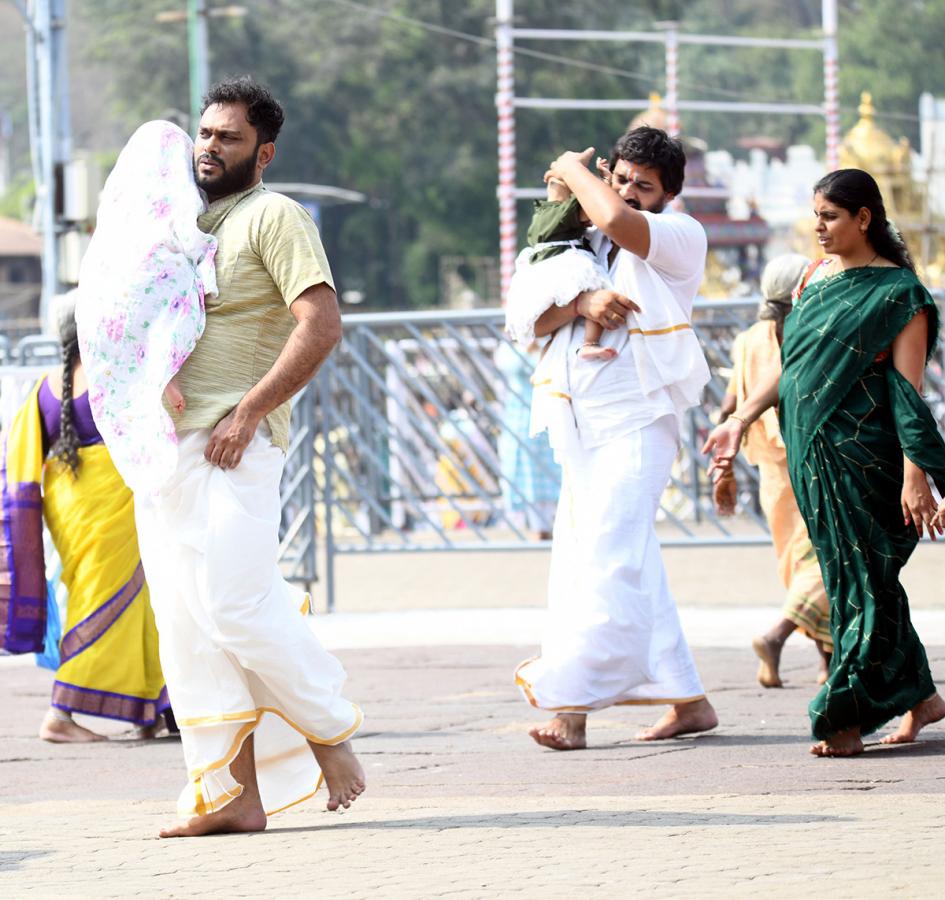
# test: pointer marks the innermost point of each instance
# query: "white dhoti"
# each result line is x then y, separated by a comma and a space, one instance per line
612, 634
238, 654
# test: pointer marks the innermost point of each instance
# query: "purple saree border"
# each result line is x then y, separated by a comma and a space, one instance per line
23, 604
93, 626
108, 704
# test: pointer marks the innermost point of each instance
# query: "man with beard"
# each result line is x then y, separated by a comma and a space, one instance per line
258, 699
613, 635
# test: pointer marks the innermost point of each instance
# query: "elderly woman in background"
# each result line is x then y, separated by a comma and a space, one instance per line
55, 467
756, 355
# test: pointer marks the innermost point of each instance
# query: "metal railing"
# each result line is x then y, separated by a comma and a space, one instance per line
411, 418
23, 363
398, 445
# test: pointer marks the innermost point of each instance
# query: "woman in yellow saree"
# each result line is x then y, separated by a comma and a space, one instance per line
55, 467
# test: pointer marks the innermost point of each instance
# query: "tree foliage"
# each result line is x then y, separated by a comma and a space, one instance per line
406, 114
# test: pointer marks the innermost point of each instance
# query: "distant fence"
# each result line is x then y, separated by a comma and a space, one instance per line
397, 446
410, 419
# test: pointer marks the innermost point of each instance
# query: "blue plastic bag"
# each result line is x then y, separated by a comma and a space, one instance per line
49, 658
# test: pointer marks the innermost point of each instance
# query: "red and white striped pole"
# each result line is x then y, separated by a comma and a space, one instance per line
672, 79
831, 84
505, 104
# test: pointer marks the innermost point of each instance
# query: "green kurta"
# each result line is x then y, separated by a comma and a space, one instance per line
846, 421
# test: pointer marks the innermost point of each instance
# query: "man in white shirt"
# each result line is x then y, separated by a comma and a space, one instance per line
613, 635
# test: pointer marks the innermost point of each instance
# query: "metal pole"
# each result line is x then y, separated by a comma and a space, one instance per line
328, 466
46, 68
831, 87
198, 57
308, 399
672, 78
63, 143
505, 104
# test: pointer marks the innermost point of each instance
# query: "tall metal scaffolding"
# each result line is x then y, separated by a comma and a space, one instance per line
672, 39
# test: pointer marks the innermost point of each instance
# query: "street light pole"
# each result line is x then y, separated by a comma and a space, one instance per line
50, 143
195, 14
198, 57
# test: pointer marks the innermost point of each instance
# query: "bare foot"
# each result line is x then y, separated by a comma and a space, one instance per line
174, 397
927, 712
567, 731
823, 672
596, 353
683, 718
843, 743
65, 731
769, 652
244, 814
343, 773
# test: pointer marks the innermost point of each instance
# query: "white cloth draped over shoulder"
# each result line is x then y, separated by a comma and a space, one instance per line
659, 366
140, 310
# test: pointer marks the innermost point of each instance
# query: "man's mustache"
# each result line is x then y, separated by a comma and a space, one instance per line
634, 203
212, 158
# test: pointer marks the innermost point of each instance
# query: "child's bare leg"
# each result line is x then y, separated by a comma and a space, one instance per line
174, 397
591, 349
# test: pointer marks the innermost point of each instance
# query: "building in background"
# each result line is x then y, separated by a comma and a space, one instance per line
20, 278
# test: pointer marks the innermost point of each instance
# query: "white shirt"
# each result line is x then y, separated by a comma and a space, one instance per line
607, 398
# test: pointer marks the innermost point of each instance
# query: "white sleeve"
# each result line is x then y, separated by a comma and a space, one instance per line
677, 245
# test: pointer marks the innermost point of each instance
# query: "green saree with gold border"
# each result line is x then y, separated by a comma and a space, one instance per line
847, 420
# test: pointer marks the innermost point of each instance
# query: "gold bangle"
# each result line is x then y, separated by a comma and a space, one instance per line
744, 421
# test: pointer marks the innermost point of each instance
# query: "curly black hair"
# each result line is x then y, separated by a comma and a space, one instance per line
263, 111
853, 190
646, 146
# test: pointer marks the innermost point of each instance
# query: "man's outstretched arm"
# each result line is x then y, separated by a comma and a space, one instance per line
315, 335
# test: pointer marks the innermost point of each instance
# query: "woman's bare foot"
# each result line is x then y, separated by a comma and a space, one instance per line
769, 652
343, 773
174, 397
927, 712
62, 730
243, 814
682, 718
596, 353
843, 743
567, 731
823, 672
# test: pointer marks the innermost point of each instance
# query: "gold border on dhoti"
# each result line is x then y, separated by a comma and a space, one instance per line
201, 806
648, 701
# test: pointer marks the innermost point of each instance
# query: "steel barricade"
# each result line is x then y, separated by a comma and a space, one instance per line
409, 396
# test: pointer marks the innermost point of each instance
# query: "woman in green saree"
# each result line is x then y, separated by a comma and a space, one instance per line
861, 445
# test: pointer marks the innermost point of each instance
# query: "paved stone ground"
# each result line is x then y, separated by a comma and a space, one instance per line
461, 804
699, 576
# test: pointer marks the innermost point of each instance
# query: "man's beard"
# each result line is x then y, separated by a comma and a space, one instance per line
232, 180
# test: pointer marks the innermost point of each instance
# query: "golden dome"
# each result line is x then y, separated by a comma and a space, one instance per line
655, 116
867, 146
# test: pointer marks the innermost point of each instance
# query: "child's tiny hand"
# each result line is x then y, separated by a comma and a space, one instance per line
603, 169
174, 397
